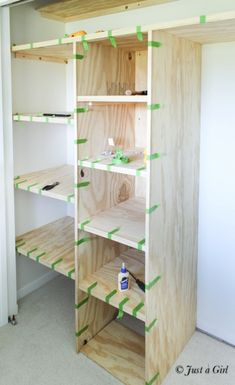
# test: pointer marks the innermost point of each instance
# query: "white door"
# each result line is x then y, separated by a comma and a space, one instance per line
216, 266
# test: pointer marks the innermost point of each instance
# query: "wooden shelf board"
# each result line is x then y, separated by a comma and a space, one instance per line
39, 118
96, 99
135, 167
51, 245
35, 181
127, 217
107, 281
120, 351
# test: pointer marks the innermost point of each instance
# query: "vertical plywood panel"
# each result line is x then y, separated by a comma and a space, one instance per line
172, 184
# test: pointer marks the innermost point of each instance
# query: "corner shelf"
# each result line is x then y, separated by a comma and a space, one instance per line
123, 223
104, 99
120, 351
51, 245
35, 181
107, 282
39, 118
135, 167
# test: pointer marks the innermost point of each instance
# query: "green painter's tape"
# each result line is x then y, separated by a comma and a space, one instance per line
154, 44
110, 233
81, 241
70, 197
53, 265
79, 110
71, 272
153, 156
31, 45
151, 382
80, 141
120, 314
31, 185
154, 106
109, 167
19, 240
149, 327
151, 209
85, 43
112, 39
202, 19
138, 171
152, 283
137, 308
83, 330
141, 244
82, 184
18, 183
83, 224
139, 33
31, 251
39, 256
90, 288
21, 244
59, 40
110, 295
78, 56
83, 302
17, 177
120, 306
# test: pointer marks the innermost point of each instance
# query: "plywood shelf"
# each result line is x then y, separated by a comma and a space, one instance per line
107, 282
120, 351
35, 181
39, 118
123, 223
135, 167
104, 99
51, 245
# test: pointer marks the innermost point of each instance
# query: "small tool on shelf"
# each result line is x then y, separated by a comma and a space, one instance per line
50, 186
139, 283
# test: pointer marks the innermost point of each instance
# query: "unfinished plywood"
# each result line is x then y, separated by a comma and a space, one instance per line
51, 245
69, 10
106, 280
120, 351
123, 223
52, 50
35, 181
39, 118
114, 99
171, 247
136, 165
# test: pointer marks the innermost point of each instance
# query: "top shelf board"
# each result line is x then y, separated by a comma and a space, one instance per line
202, 29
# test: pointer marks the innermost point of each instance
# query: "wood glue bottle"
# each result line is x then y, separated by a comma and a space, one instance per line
123, 279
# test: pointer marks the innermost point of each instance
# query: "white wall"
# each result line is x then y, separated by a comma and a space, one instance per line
37, 87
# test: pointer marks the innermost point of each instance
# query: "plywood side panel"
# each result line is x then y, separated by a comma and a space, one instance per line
171, 241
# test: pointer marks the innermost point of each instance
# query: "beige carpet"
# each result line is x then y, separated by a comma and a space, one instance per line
40, 350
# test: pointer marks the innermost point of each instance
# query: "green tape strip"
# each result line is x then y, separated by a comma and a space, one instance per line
90, 288
120, 306
154, 106
139, 33
148, 328
120, 314
82, 184
151, 209
83, 302
46, 119
153, 156
153, 380
110, 233
81, 241
78, 56
141, 244
53, 265
85, 43
83, 330
81, 109
80, 141
109, 167
83, 224
110, 295
30, 45
154, 44
138, 171
31, 251
17, 177
202, 19
31, 185
59, 40
112, 39
152, 283
21, 244
19, 240
70, 197
71, 272
39, 256
18, 183
137, 309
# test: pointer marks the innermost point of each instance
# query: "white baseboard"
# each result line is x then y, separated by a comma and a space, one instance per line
36, 284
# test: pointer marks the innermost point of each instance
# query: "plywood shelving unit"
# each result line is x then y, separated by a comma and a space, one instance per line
146, 212
39, 118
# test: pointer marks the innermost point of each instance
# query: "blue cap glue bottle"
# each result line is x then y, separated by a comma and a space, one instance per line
123, 279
